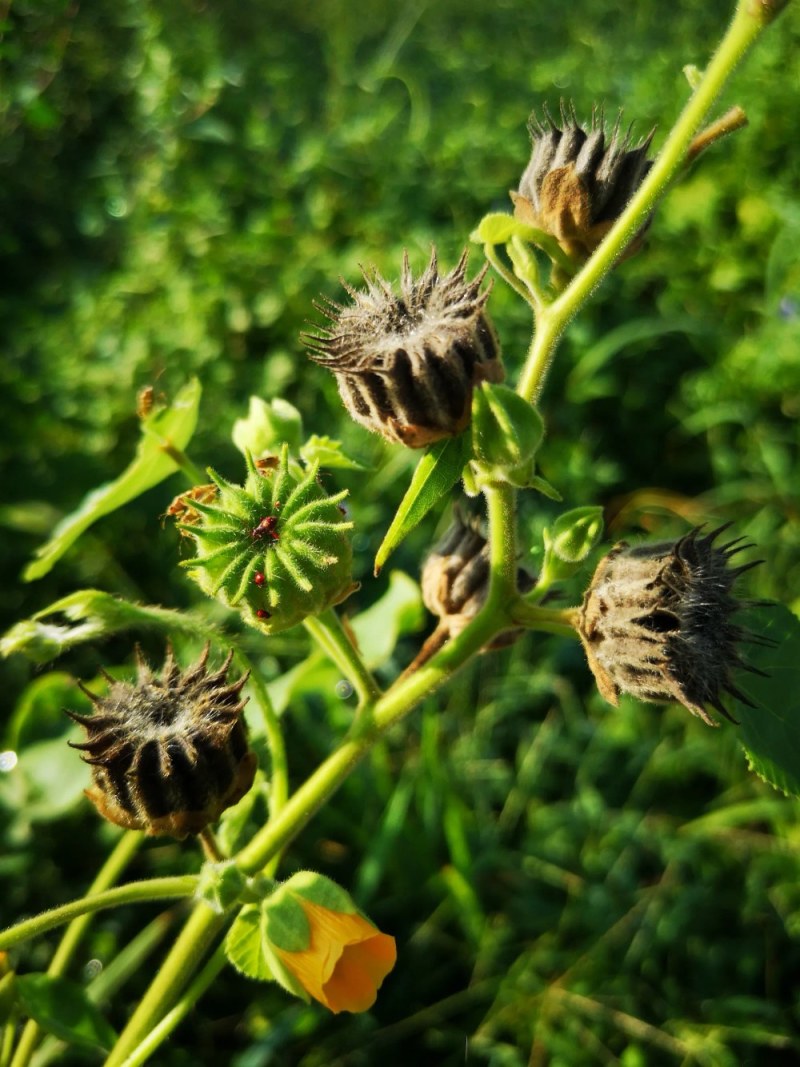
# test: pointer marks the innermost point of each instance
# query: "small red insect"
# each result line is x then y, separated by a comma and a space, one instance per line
262, 614
265, 528
259, 578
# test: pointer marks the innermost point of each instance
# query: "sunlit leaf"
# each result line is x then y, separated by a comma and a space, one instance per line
165, 428
91, 614
328, 452
243, 945
399, 611
436, 474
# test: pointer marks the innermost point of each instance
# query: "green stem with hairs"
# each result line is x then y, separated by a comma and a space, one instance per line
553, 319
133, 893
378, 713
161, 1032
330, 635
120, 857
200, 930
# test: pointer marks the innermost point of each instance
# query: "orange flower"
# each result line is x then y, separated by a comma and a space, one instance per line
346, 960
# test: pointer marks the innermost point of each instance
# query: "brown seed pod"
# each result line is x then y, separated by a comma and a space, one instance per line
168, 754
656, 622
406, 365
578, 181
455, 578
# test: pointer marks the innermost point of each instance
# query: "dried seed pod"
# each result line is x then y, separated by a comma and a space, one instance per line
578, 181
406, 365
168, 754
455, 578
656, 622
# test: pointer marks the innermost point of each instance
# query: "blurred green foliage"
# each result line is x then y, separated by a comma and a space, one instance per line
569, 884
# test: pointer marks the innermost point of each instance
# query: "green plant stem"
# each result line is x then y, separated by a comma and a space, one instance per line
552, 320
559, 621
501, 504
161, 1032
133, 893
200, 929
121, 855
279, 768
330, 635
390, 708
192, 472
393, 706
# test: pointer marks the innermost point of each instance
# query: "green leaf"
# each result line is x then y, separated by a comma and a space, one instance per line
63, 1008
399, 611
243, 945
497, 228
436, 474
162, 430
770, 732
327, 452
541, 485
92, 614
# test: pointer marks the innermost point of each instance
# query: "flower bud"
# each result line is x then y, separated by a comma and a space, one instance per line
168, 754
576, 532
578, 182
506, 432
406, 365
656, 623
319, 945
277, 549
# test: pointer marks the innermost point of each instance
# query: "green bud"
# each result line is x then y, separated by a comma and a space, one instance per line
570, 540
575, 533
277, 549
267, 427
220, 885
506, 432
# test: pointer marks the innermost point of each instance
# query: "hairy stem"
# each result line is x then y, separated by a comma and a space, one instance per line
330, 635
133, 893
552, 320
201, 928
120, 857
161, 1032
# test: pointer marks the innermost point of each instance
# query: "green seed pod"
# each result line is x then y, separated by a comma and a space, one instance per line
277, 549
506, 432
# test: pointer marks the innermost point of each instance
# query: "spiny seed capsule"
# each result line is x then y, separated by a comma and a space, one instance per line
276, 549
578, 181
406, 365
455, 577
168, 754
656, 622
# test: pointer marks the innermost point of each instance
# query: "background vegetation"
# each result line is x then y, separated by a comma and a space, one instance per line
568, 884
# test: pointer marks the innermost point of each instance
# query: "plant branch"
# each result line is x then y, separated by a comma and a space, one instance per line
330, 635
121, 855
132, 893
173, 1018
200, 929
740, 36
